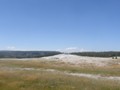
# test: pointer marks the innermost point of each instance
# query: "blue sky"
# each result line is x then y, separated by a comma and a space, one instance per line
60, 24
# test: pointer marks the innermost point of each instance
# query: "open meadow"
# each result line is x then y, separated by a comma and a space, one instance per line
60, 72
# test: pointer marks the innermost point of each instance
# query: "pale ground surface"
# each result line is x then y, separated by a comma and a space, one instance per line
74, 59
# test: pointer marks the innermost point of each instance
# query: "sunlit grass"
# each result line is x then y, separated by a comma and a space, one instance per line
110, 70
16, 79
32, 80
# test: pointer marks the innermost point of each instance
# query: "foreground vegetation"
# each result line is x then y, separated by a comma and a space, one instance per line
113, 69
32, 80
20, 79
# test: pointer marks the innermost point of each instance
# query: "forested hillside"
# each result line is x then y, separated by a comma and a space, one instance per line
98, 54
26, 54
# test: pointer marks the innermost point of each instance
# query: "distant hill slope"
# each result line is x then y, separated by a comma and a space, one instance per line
98, 54
27, 54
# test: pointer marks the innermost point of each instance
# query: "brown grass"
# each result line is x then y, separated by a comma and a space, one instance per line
110, 70
42, 80
32, 80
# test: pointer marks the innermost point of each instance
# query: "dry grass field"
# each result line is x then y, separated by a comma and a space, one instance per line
41, 74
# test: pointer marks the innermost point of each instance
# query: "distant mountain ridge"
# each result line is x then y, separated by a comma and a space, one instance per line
27, 54
98, 54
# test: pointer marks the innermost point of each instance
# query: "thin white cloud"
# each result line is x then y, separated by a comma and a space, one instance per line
82, 50
72, 49
11, 48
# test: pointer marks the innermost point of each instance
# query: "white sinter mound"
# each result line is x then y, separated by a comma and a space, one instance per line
74, 59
